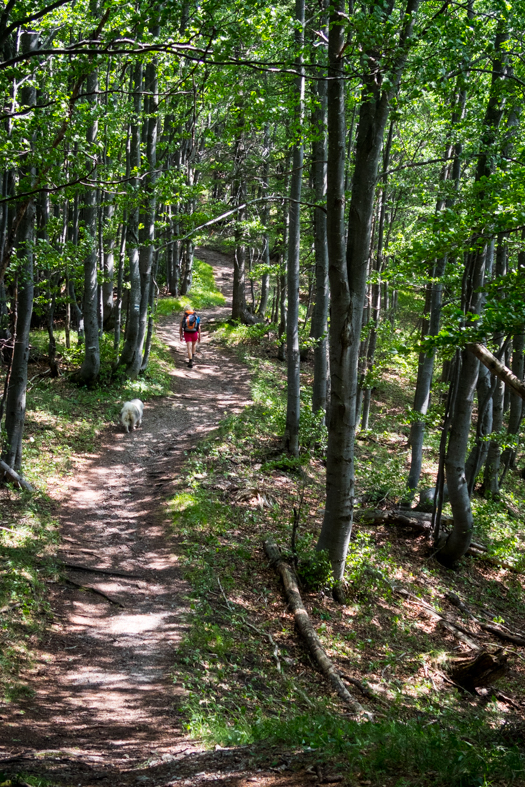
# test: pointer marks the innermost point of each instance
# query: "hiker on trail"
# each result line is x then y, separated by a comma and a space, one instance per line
190, 332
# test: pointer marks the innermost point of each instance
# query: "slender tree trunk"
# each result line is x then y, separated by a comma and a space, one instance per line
293, 410
485, 391
375, 289
151, 313
120, 284
148, 219
348, 281
15, 402
459, 539
319, 327
89, 371
337, 524
109, 271
265, 281
131, 353
516, 406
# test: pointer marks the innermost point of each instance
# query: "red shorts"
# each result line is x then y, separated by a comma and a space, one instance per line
191, 336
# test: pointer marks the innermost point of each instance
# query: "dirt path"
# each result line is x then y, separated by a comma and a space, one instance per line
104, 703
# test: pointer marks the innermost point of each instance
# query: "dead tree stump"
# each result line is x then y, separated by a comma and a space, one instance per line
482, 670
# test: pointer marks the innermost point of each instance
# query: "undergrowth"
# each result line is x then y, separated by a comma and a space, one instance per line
246, 677
28, 539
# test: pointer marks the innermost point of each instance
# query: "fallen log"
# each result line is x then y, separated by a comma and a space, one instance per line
305, 628
497, 368
14, 476
502, 633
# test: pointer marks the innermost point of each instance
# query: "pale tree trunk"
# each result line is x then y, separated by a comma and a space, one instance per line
485, 389
109, 270
283, 276
516, 405
90, 368
147, 251
458, 541
239, 193
348, 280
492, 464
426, 359
130, 357
293, 409
375, 290
15, 402
239, 271
320, 313
265, 282
337, 524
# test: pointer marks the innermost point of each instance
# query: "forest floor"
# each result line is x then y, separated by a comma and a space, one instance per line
101, 701
199, 677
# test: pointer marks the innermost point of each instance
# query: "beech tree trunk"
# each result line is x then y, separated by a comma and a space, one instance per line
320, 313
88, 373
130, 357
148, 238
15, 402
348, 279
293, 409
516, 405
460, 537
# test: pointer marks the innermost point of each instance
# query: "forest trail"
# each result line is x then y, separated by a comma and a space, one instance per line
104, 702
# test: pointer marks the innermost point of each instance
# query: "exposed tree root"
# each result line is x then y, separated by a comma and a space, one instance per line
95, 590
110, 572
302, 621
14, 476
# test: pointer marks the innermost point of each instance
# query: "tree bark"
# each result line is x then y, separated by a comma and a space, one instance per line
516, 405
130, 357
319, 327
293, 408
459, 539
15, 403
89, 371
348, 281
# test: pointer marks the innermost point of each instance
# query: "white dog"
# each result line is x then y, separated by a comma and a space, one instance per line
131, 415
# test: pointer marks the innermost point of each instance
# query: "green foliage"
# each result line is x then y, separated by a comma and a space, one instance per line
203, 295
315, 570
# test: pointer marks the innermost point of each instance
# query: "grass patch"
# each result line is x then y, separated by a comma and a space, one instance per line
204, 293
448, 750
28, 540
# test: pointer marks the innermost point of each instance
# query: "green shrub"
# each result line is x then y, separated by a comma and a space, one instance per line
315, 571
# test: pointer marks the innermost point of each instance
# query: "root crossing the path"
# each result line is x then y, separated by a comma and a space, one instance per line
102, 690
